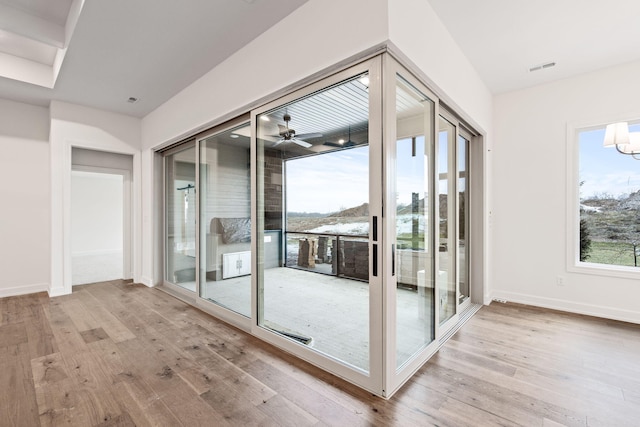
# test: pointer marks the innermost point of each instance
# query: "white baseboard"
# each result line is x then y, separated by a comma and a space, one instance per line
602, 311
147, 281
56, 292
23, 290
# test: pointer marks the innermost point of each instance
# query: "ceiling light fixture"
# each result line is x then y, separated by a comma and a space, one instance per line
618, 135
234, 136
542, 66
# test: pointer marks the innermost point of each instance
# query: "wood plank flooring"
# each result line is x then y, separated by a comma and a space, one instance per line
121, 354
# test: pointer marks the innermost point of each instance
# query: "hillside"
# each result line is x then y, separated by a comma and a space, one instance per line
347, 221
358, 211
612, 219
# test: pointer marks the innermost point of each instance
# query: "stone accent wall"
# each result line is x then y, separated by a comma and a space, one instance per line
273, 216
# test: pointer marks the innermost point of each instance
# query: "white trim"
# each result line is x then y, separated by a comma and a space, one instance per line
61, 167
97, 252
23, 290
572, 197
147, 281
601, 311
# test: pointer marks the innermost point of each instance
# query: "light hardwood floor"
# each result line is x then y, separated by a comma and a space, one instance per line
119, 354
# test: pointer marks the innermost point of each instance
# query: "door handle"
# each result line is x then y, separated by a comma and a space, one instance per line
375, 260
375, 229
393, 259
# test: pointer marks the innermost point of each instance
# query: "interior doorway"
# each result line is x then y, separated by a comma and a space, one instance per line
101, 216
97, 226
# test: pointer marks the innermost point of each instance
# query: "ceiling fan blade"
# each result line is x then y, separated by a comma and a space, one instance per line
300, 142
331, 144
338, 145
309, 135
278, 142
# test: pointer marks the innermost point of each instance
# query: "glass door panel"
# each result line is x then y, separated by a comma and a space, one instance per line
180, 218
463, 218
225, 225
447, 242
414, 248
313, 221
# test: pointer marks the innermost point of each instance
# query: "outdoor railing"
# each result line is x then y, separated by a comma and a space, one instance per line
348, 254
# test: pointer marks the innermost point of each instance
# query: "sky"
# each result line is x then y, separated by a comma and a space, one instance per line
334, 181
604, 170
329, 182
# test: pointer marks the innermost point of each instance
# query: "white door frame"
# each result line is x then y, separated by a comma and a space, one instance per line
61, 165
127, 213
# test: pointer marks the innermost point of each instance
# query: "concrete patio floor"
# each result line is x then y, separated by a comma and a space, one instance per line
332, 311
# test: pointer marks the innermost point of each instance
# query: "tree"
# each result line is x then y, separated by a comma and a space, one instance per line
585, 241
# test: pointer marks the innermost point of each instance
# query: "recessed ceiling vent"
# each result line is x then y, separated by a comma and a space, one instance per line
542, 66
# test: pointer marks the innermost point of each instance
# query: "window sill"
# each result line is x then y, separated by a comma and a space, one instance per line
607, 270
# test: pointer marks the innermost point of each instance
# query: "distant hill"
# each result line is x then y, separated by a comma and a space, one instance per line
610, 218
306, 215
610, 203
358, 211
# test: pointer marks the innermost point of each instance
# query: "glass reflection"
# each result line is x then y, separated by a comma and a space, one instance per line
414, 243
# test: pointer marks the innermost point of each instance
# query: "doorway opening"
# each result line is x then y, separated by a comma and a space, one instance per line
97, 226
101, 211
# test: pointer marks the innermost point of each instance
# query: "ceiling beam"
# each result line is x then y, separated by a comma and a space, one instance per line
31, 26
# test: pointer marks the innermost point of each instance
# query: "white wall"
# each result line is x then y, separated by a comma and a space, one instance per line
96, 213
417, 31
317, 35
529, 176
78, 126
24, 198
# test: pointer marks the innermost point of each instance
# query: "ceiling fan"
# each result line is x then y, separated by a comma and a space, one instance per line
343, 144
289, 135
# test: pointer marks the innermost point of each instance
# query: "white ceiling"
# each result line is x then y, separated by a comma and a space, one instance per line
147, 49
55, 11
504, 38
152, 49
33, 37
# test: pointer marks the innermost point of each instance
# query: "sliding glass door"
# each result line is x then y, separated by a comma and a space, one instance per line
426, 170
180, 217
225, 218
413, 254
464, 247
447, 202
333, 222
318, 217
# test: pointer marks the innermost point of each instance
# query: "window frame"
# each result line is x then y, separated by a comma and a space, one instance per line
573, 263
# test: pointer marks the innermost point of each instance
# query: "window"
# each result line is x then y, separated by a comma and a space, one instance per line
609, 202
